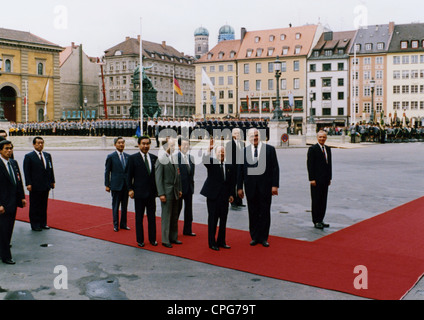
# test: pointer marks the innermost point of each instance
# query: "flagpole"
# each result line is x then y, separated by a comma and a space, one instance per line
141, 80
26, 101
173, 93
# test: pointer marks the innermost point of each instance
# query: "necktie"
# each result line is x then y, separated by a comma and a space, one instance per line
223, 170
42, 160
12, 175
325, 155
123, 160
256, 153
147, 164
187, 163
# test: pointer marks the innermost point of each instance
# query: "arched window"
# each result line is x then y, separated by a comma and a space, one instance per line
40, 69
8, 65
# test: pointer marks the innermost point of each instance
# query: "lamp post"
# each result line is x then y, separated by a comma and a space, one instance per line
311, 116
85, 107
2, 118
372, 84
278, 113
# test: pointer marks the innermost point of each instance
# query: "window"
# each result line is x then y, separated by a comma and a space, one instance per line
368, 46
367, 75
340, 111
405, 89
405, 105
379, 90
414, 89
221, 108
283, 66
396, 74
296, 65
340, 82
367, 60
405, 59
257, 39
221, 68
405, 74
340, 66
230, 67
296, 83
379, 60
270, 67
367, 91
414, 44
367, 107
221, 81
326, 82
246, 68
396, 89
357, 47
298, 35
285, 51
396, 105
259, 68
270, 52
326, 111
312, 67
283, 84
297, 49
380, 46
414, 105
404, 44
271, 38
283, 37
326, 67
230, 80
7, 66
270, 84
396, 60
230, 94
414, 59
414, 74
379, 74
258, 85
328, 53
230, 108
40, 68
212, 69
326, 96
340, 95
312, 83
246, 85
249, 53
316, 53
259, 52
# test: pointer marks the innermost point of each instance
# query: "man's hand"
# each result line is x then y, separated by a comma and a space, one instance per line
107, 189
2, 210
29, 188
231, 200
313, 183
163, 199
240, 193
180, 194
23, 203
131, 194
274, 191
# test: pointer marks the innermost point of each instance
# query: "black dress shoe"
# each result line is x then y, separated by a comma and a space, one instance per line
140, 244
37, 229
265, 244
190, 234
177, 242
46, 227
125, 228
155, 243
167, 245
214, 248
325, 225
253, 243
225, 246
8, 261
115, 229
319, 225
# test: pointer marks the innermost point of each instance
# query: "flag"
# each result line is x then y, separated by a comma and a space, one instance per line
177, 87
291, 100
47, 97
206, 80
138, 132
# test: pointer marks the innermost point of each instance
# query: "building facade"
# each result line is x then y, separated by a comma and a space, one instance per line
30, 77
368, 71
79, 84
328, 80
201, 42
161, 63
405, 75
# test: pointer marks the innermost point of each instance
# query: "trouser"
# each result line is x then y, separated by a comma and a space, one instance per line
120, 199
259, 208
148, 205
319, 195
7, 223
169, 220
217, 210
38, 201
188, 212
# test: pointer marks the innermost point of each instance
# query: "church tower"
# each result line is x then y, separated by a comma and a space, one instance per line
201, 42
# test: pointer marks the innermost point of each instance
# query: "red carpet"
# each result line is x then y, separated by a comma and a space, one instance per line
390, 246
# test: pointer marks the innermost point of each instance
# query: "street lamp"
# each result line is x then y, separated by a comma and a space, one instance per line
85, 106
278, 113
311, 116
2, 118
372, 84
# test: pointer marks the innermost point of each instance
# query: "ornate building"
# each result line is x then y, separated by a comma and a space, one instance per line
30, 69
161, 63
201, 42
226, 33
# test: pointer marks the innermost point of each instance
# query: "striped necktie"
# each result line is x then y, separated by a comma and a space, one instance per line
12, 175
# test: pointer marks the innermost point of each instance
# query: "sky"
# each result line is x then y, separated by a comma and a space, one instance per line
100, 25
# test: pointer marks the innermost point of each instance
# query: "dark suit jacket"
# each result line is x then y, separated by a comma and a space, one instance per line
318, 168
260, 177
236, 153
138, 179
36, 175
187, 177
11, 195
115, 174
215, 186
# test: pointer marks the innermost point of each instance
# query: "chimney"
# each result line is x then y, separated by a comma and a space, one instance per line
391, 27
127, 38
243, 33
138, 38
73, 45
164, 44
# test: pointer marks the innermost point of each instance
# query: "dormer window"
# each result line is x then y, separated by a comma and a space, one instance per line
259, 52
368, 46
328, 53
283, 37
232, 54
221, 55
404, 44
414, 44
257, 39
298, 35
285, 51
316, 54
210, 55
249, 52
271, 38
380, 46
357, 47
297, 49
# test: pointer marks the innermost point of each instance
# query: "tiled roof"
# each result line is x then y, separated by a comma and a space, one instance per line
407, 32
23, 36
281, 38
222, 52
334, 41
373, 35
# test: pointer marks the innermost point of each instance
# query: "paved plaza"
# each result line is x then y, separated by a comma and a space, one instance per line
368, 179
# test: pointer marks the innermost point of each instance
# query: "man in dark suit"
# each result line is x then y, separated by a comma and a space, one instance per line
12, 196
39, 180
235, 150
260, 175
187, 170
320, 174
116, 170
142, 188
219, 189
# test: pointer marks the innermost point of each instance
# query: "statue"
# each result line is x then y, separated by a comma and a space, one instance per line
150, 103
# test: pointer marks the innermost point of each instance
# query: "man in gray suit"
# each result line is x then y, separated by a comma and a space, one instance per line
168, 183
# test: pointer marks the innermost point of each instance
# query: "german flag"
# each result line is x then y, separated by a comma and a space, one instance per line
177, 87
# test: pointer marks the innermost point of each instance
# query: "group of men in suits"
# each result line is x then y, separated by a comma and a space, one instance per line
39, 180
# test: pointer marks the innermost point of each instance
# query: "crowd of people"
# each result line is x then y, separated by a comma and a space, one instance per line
368, 132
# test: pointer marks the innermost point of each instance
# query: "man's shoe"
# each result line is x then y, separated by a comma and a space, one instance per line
177, 242
167, 245
319, 225
141, 245
265, 244
115, 229
125, 228
253, 243
325, 225
46, 227
8, 261
154, 243
190, 234
37, 229
225, 246
214, 248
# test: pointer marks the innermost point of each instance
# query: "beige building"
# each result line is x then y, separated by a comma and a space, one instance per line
30, 66
161, 63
